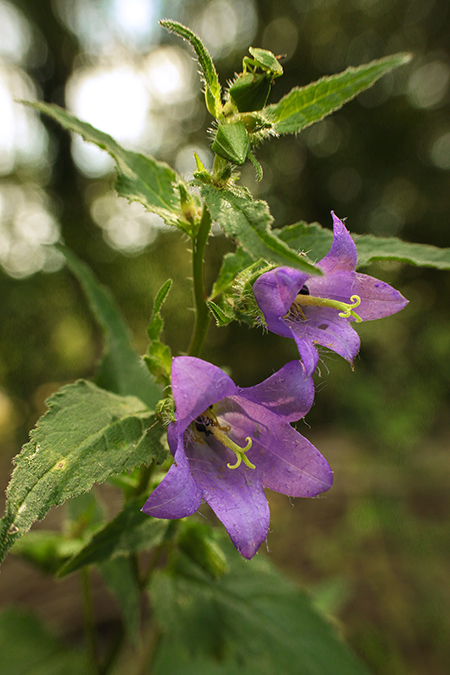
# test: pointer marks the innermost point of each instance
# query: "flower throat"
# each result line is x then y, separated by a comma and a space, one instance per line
304, 299
208, 424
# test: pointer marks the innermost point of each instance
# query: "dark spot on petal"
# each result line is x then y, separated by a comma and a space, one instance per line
304, 290
323, 326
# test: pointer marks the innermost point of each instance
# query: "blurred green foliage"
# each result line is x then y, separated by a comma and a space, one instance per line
381, 534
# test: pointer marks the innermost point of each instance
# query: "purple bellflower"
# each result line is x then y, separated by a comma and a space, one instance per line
230, 442
320, 310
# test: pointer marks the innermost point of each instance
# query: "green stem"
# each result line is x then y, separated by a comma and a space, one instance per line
202, 315
89, 620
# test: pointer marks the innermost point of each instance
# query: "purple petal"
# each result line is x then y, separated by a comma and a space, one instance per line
275, 291
235, 495
307, 351
288, 393
177, 495
197, 384
285, 461
378, 299
342, 255
325, 327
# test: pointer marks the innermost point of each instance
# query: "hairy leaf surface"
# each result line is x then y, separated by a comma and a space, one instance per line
87, 435
303, 106
316, 241
248, 222
140, 178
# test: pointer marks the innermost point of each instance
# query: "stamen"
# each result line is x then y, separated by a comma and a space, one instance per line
208, 424
346, 309
356, 301
238, 451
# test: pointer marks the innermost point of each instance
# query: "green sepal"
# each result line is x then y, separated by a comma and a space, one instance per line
232, 142
266, 60
250, 91
223, 315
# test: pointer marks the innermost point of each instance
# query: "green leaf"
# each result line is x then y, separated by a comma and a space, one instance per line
47, 550
131, 531
120, 577
159, 355
316, 241
27, 647
303, 106
87, 435
140, 178
121, 370
232, 264
222, 314
311, 238
248, 222
250, 617
372, 248
210, 77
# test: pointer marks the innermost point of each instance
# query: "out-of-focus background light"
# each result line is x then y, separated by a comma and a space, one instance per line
383, 161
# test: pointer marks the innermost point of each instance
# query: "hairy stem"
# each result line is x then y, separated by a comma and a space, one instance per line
202, 315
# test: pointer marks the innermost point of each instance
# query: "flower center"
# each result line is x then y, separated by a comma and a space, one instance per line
303, 299
209, 424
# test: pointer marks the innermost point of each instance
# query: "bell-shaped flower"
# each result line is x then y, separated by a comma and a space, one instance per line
320, 310
229, 443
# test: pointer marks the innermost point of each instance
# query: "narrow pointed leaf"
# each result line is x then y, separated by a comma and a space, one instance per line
121, 370
131, 531
249, 222
87, 435
316, 241
140, 178
303, 106
222, 315
204, 58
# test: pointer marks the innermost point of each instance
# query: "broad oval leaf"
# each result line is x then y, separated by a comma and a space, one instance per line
87, 435
303, 106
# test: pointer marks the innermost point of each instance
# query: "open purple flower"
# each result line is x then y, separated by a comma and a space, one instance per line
320, 310
230, 442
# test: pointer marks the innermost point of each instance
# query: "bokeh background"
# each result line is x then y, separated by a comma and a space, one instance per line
375, 551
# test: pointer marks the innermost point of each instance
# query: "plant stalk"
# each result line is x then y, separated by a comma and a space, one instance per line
202, 315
